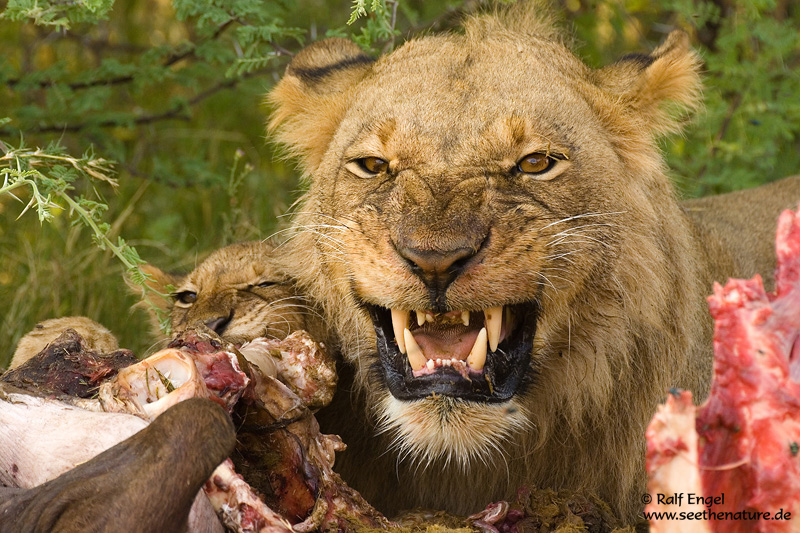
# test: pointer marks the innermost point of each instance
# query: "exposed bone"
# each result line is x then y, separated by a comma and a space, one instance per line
257, 352
477, 356
400, 323
494, 322
153, 385
240, 508
299, 362
415, 356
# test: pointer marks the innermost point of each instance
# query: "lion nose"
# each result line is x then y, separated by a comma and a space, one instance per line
436, 262
436, 268
219, 324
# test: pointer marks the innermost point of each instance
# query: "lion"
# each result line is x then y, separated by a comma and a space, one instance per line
96, 337
237, 291
490, 230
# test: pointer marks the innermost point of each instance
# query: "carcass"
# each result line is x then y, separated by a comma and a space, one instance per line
145, 483
291, 461
739, 450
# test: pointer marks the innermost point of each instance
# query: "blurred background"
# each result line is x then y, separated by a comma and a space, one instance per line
133, 130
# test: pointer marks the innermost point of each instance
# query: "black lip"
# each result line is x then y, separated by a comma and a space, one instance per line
505, 369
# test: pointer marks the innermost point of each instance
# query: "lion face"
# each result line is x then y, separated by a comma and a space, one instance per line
457, 243
473, 209
462, 232
237, 291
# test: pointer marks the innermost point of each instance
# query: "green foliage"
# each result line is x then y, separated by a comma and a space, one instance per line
173, 92
50, 175
380, 27
749, 130
58, 14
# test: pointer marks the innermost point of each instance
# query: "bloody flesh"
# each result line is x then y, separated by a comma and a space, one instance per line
748, 430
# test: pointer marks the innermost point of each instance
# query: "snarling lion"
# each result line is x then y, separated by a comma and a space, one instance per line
490, 229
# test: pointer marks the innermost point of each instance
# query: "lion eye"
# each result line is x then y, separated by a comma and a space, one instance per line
367, 167
185, 297
375, 165
265, 284
536, 163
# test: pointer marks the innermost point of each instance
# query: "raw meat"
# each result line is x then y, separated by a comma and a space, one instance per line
281, 449
745, 440
67, 368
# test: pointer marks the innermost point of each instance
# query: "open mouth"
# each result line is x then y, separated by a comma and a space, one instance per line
474, 355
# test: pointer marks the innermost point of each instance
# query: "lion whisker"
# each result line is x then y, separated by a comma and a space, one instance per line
301, 307
563, 255
579, 230
584, 215
565, 240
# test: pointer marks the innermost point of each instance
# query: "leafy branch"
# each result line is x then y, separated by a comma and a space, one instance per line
179, 53
381, 25
49, 175
58, 14
178, 111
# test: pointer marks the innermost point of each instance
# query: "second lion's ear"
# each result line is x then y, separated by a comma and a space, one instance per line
162, 282
310, 100
159, 281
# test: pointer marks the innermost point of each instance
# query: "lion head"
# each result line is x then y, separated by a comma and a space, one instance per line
96, 337
237, 291
489, 227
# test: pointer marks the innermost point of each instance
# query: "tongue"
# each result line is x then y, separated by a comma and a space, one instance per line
445, 344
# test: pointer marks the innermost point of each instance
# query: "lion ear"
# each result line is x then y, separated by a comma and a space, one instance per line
645, 84
310, 100
159, 281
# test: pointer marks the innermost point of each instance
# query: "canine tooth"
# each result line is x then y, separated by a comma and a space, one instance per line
399, 323
421, 318
494, 321
415, 356
477, 357
465, 318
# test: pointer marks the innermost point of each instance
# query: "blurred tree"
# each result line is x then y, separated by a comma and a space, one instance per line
172, 92
749, 132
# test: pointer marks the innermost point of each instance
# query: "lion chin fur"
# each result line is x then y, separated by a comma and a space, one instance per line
430, 154
449, 430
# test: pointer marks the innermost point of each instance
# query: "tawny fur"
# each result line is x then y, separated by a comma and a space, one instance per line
96, 337
601, 243
237, 290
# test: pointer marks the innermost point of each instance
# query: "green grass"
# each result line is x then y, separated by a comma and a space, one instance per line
54, 269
